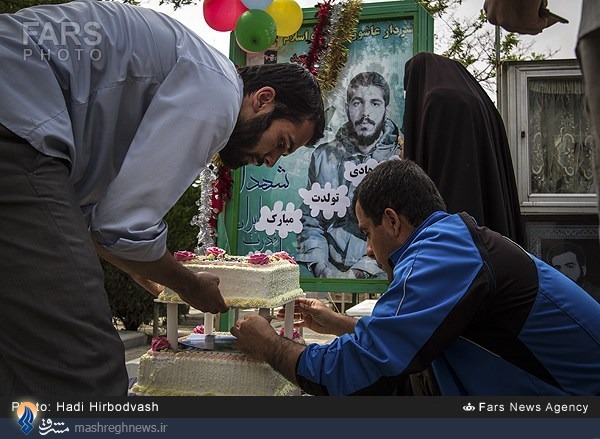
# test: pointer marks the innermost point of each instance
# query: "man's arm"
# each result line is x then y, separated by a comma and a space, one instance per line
257, 339
200, 290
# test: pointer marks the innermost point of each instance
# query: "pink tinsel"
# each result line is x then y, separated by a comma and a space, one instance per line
221, 191
318, 43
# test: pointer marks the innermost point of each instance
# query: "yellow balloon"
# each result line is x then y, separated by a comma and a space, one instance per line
287, 15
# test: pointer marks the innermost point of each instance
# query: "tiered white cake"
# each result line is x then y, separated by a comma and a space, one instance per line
256, 281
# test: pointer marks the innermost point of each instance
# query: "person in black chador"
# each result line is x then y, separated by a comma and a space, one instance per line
455, 133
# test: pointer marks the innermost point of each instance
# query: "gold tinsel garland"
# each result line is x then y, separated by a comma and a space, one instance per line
343, 32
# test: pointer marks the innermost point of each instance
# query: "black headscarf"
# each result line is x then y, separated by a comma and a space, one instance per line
455, 133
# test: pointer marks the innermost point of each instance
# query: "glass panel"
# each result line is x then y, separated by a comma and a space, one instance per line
560, 141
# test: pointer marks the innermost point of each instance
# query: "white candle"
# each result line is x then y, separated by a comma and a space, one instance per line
172, 325
209, 323
288, 323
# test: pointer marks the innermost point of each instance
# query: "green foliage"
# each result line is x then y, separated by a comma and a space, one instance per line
438, 7
131, 304
10, 6
182, 235
473, 42
178, 3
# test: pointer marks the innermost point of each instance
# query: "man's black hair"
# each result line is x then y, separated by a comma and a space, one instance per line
565, 247
402, 186
297, 93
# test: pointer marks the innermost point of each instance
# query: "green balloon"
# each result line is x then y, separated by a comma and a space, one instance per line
255, 31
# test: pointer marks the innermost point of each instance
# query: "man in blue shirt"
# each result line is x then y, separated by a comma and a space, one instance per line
485, 315
108, 114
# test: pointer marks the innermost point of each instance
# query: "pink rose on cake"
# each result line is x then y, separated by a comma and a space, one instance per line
295, 335
285, 256
259, 259
214, 251
199, 329
184, 255
160, 344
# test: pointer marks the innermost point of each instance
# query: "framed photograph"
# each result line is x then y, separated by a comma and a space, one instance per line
302, 204
572, 248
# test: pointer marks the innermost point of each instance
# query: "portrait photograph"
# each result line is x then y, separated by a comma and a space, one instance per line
303, 204
572, 249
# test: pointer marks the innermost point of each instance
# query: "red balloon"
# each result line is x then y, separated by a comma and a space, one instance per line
222, 15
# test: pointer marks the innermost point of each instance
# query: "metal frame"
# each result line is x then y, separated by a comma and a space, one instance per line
514, 106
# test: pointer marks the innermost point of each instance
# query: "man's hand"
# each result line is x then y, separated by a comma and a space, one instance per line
203, 293
254, 336
520, 16
200, 290
258, 340
315, 315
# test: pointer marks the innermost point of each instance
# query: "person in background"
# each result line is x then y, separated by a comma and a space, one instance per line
334, 247
588, 54
490, 318
532, 17
108, 114
455, 133
570, 260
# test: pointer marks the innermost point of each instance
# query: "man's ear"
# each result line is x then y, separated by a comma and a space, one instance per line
392, 221
263, 99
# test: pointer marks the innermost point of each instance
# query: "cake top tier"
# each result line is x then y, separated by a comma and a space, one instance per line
256, 281
216, 254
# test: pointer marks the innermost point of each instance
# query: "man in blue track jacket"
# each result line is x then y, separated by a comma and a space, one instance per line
487, 317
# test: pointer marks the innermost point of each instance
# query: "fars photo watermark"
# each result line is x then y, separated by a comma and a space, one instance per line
69, 40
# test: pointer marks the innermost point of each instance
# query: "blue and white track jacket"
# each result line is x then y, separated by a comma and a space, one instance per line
490, 319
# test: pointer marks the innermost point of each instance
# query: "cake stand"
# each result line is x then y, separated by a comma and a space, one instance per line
209, 319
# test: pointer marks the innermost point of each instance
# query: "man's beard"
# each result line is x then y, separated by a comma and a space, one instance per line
245, 137
367, 139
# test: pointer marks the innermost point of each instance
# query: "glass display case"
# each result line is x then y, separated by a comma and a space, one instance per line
543, 106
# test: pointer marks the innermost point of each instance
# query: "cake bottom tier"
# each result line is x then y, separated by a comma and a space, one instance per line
206, 373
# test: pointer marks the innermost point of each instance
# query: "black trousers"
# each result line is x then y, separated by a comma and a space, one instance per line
56, 326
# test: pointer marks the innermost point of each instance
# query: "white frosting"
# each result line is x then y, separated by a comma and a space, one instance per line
205, 373
246, 285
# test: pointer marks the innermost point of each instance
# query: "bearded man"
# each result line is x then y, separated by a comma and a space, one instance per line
108, 114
